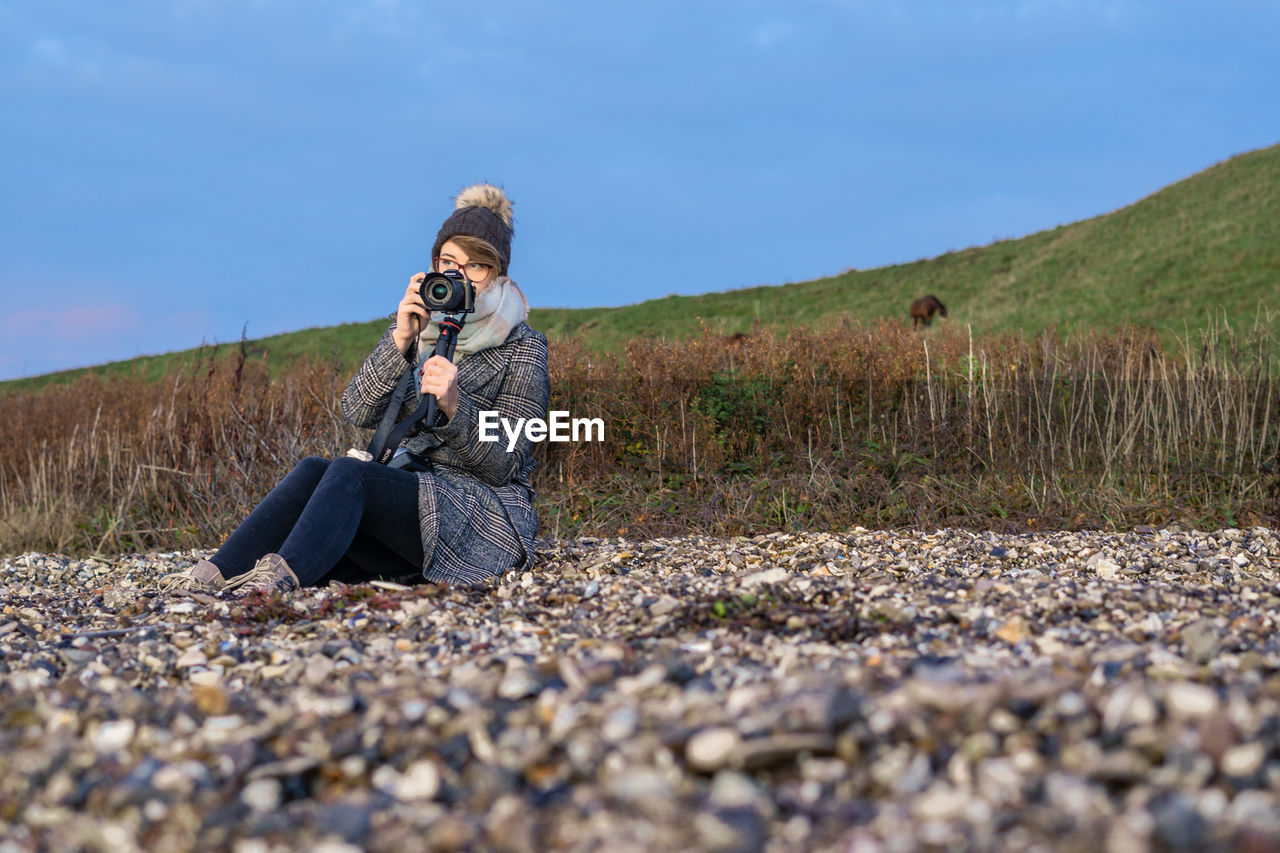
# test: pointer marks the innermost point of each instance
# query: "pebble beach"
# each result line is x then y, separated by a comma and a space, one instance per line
847, 691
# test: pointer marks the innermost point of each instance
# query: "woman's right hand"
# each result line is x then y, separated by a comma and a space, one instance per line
411, 316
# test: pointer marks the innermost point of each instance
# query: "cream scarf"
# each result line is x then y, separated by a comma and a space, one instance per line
500, 307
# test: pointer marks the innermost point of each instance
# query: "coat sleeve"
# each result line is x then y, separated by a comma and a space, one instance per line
369, 392
525, 393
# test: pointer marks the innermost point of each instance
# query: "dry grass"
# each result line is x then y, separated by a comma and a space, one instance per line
129, 463
882, 426
872, 425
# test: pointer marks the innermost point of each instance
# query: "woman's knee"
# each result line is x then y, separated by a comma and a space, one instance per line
344, 468
306, 474
311, 466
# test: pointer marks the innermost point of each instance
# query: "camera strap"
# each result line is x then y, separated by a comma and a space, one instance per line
380, 447
389, 434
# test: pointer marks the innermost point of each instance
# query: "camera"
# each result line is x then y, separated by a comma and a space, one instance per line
448, 292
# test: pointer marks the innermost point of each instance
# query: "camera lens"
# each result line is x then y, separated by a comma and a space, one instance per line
447, 292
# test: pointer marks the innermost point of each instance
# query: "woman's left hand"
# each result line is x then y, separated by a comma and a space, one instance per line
440, 377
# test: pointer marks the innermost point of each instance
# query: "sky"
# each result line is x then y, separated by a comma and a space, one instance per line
175, 172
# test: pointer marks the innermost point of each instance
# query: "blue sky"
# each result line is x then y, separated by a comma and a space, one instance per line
175, 170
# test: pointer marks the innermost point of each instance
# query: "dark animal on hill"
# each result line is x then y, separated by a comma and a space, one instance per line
736, 338
922, 310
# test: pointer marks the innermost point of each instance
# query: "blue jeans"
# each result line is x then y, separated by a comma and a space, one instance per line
343, 520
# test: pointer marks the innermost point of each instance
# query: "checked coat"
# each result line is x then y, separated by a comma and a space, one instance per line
475, 507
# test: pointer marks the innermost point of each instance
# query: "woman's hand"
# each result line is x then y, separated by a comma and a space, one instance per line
440, 377
411, 316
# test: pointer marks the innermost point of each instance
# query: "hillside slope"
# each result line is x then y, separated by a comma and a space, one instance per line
1209, 243
1206, 245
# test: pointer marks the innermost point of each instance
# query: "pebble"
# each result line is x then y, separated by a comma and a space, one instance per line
712, 748
1104, 567
642, 786
421, 781
114, 735
518, 683
1186, 700
733, 789
262, 795
619, 725
664, 605
1200, 640
769, 576
1243, 760
847, 690
1014, 631
941, 802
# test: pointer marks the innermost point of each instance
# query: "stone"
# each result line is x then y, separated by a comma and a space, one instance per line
1243, 760
420, 781
712, 749
1186, 700
1106, 568
211, 699
1014, 630
664, 605
768, 576
930, 697
940, 802
1200, 640
114, 735
262, 795
518, 683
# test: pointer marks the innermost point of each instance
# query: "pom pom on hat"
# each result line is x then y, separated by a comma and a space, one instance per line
483, 211
486, 195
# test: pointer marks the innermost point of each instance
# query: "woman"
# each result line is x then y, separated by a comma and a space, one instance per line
471, 515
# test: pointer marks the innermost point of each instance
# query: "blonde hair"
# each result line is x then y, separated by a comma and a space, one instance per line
479, 251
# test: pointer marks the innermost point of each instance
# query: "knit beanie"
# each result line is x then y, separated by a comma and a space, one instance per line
483, 211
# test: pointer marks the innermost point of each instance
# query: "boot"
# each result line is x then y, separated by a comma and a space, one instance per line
204, 576
270, 574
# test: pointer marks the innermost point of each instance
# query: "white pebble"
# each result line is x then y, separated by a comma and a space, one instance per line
711, 749
114, 735
1243, 760
774, 575
1190, 701
261, 795
420, 782
619, 725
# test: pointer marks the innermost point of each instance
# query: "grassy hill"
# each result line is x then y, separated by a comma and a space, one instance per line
1207, 245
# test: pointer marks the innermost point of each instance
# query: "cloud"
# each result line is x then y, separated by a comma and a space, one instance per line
391, 18
982, 16
112, 50
1109, 12
37, 340
769, 34
89, 61
84, 325
40, 340
53, 54
1093, 15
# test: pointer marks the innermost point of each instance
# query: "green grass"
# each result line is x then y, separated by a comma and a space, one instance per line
1207, 246
347, 344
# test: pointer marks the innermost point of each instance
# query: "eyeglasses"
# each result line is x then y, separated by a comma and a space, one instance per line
474, 270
